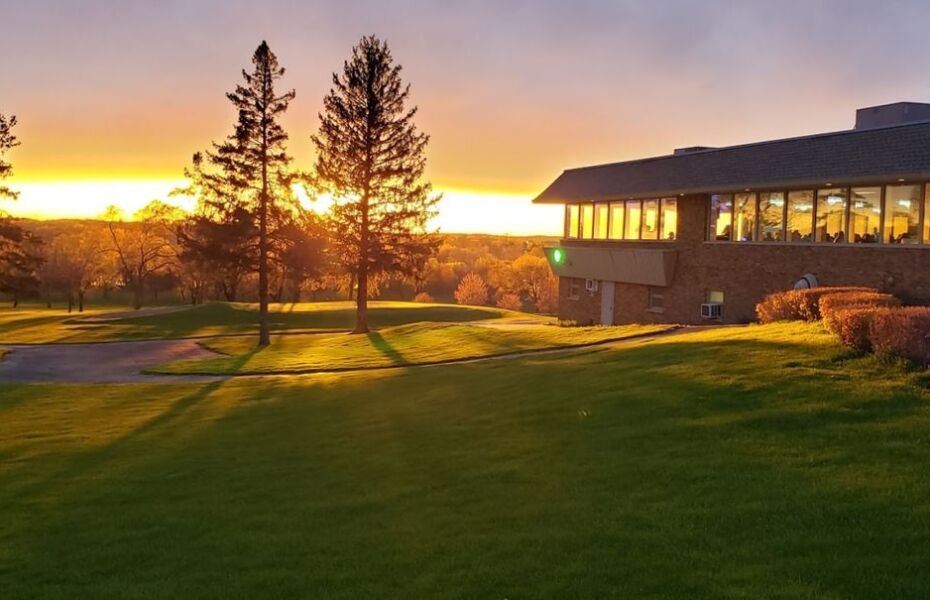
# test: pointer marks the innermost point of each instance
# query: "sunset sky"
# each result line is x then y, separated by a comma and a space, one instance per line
113, 97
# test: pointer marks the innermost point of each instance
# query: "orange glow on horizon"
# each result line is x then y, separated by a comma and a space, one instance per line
460, 210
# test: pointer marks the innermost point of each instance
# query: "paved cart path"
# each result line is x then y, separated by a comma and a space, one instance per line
109, 362
123, 362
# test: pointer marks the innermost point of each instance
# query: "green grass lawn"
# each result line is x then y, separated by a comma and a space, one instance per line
737, 463
39, 325
417, 343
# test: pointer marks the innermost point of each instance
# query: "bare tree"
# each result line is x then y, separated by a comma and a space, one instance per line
144, 246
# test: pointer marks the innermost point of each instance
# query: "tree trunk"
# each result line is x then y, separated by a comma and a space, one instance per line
70, 301
361, 299
264, 338
80, 301
137, 295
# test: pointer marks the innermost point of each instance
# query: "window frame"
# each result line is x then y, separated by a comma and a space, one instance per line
652, 293
574, 288
845, 227
663, 202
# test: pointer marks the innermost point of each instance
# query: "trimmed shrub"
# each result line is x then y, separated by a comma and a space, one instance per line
902, 333
423, 297
798, 305
510, 302
830, 304
852, 324
472, 290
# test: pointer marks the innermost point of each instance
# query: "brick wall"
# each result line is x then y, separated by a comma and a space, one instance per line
746, 272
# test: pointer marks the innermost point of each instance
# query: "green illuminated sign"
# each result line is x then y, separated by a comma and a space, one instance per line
558, 256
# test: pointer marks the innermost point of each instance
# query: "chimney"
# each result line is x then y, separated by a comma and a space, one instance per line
692, 149
888, 115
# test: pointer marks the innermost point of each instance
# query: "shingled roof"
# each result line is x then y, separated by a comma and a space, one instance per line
853, 156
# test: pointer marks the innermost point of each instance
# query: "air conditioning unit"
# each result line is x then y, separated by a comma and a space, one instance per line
711, 310
590, 285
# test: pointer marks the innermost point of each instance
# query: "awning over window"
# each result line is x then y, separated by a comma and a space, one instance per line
643, 266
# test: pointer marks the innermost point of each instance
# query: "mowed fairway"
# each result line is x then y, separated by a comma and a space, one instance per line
754, 462
413, 344
40, 325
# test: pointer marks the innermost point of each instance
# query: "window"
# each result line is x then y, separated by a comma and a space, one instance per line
865, 215
800, 220
650, 220
745, 214
601, 212
669, 219
927, 215
772, 217
902, 214
616, 220
831, 215
587, 221
715, 296
634, 215
574, 288
721, 217
572, 221
656, 300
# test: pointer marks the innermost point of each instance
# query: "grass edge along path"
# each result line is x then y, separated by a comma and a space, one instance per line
237, 362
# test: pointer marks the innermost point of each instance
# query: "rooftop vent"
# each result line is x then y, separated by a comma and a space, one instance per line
887, 115
690, 149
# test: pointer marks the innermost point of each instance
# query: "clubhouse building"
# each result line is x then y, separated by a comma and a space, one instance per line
704, 233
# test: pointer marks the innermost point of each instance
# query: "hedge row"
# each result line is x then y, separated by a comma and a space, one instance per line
798, 305
863, 319
901, 333
832, 304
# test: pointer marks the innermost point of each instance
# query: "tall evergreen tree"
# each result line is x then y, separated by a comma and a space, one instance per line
8, 141
251, 171
19, 257
370, 157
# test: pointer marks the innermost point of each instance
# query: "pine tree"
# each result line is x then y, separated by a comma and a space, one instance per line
19, 255
250, 172
370, 157
8, 141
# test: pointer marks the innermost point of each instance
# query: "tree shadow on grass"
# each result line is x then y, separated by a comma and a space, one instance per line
98, 458
385, 348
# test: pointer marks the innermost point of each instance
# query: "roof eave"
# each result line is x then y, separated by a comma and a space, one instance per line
550, 198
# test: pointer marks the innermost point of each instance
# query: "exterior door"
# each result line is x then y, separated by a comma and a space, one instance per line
607, 302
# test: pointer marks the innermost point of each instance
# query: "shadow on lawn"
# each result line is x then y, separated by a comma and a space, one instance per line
76, 469
673, 455
385, 348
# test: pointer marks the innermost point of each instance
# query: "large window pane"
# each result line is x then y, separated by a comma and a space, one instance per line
616, 220
600, 221
800, 216
721, 217
634, 215
650, 220
744, 210
831, 215
772, 217
587, 221
865, 215
669, 219
902, 214
572, 221
927, 214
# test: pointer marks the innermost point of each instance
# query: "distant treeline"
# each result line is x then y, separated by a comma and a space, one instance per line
142, 262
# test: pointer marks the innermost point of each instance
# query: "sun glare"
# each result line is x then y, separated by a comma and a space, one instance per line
460, 211
88, 199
